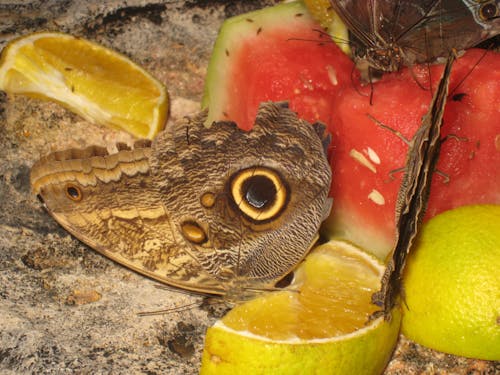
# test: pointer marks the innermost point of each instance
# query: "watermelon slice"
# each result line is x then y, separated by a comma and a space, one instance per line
365, 156
278, 54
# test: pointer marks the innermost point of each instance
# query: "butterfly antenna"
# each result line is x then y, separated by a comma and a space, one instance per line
470, 71
269, 289
172, 310
355, 82
330, 38
370, 75
428, 66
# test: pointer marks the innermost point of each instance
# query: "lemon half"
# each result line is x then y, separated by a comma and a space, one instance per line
322, 11
101, 85
319, 324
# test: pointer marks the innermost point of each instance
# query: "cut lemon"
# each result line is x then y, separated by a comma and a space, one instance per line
322, 11
318, 325
101, 85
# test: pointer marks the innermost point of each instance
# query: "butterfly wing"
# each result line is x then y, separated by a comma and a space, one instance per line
256, 197
207, 209
393, 32
448, 25
379, 24
109, 202
411, 204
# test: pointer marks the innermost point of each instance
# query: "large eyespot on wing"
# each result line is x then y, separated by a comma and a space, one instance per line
259, 194
489, 11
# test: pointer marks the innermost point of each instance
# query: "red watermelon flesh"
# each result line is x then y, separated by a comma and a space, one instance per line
274, 54
270, 54
364, 154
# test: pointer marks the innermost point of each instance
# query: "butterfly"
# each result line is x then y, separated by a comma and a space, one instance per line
411, 203
210, 209
389, 34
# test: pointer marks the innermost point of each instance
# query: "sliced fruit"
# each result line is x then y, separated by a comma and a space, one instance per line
323, 12
280, 62
319, 324
273, 54
365, 155
452, 283
99, 84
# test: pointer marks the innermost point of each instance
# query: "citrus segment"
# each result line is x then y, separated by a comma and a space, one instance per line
323, 12
452, 283
99, 84
319, 324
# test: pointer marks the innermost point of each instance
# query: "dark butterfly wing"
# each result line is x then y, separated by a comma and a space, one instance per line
389, 33
378, 25
448, 25
423, 154
451, 24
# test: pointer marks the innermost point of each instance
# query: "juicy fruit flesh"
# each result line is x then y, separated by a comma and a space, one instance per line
332, 297
365, 156
323, 12
97, 83
274, 54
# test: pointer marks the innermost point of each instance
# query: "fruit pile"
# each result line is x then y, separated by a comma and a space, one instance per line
289, 60
281, 53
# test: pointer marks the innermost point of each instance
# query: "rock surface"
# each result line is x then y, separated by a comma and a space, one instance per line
64, 308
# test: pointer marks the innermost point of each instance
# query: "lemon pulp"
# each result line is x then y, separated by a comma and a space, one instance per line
99, 84
330, 297
319, 324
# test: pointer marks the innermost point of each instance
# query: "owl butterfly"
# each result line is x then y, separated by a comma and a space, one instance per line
214, 210
411, 203
391, 33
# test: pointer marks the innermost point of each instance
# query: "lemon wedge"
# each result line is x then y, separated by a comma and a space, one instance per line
319, 325
322, 11
101, 85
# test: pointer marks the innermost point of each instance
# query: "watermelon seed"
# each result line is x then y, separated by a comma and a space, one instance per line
332, 75
259, 30
458, 97
376, 197
361, 159
373, 155
497, 142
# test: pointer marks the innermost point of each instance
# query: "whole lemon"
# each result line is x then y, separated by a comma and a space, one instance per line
452, 284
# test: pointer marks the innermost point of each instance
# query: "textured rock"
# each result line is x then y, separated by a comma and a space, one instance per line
64, 308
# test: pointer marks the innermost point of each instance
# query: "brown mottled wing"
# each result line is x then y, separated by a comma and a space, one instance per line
172, 211
194, 160
420, 31
411, 204
109, 202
